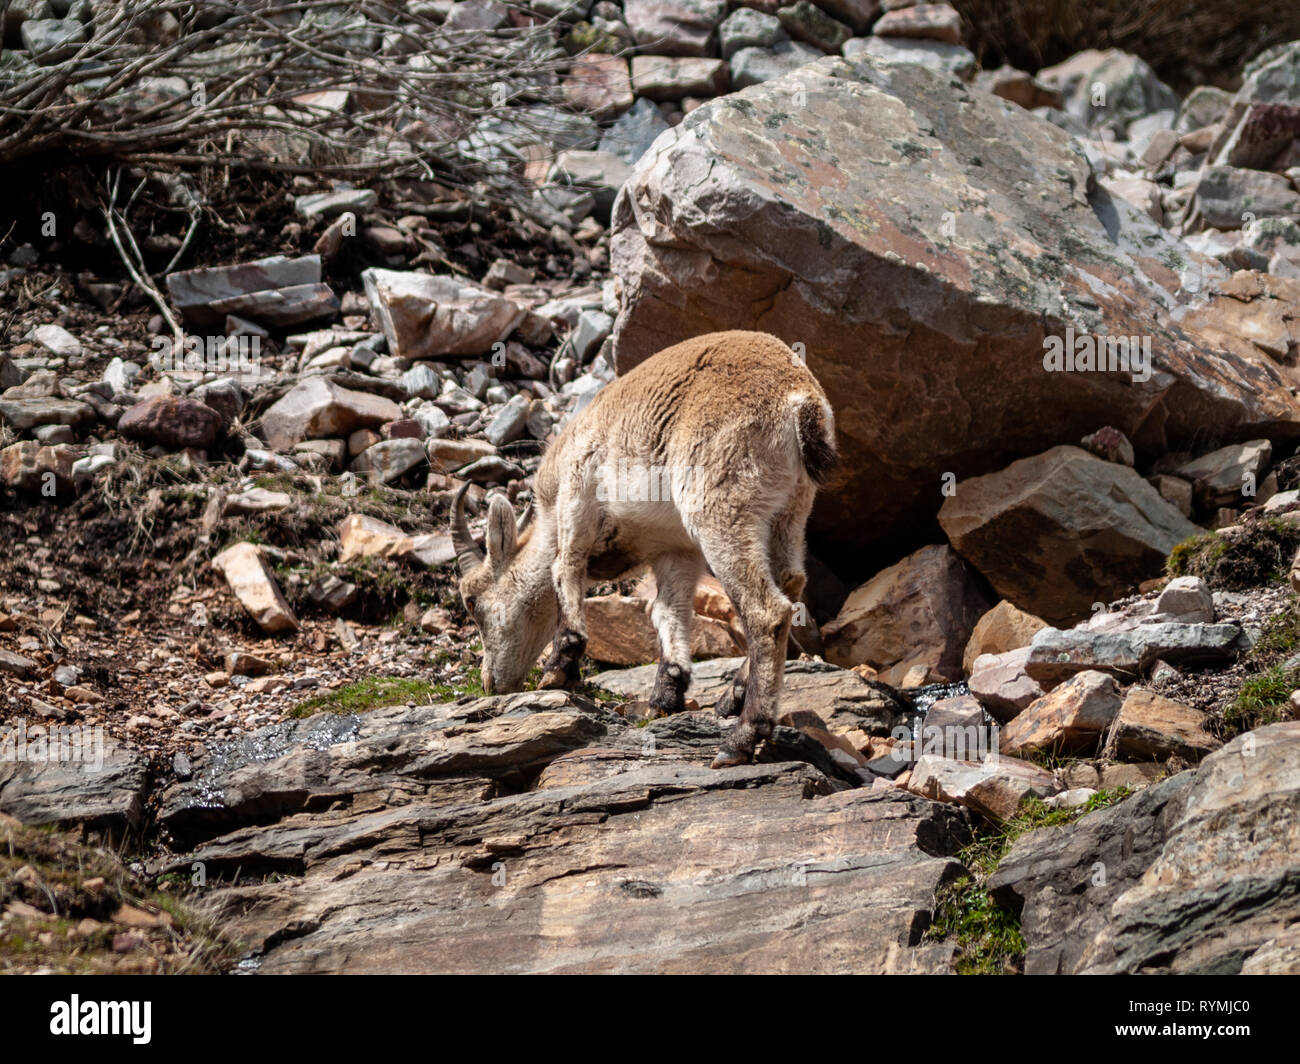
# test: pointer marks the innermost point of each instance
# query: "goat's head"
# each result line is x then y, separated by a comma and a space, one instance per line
511, 601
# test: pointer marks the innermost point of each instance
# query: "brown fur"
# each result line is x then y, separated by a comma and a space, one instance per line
742, 433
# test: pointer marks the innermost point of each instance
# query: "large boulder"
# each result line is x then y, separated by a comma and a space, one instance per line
622, 633
918, 612
1062, 530
880, 216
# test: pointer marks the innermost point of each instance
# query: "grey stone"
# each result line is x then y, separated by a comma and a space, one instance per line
1056, 655
1227, 195
631, 136
52, 40
510, 421
748, 28
951, 60
332, 204
594, 327
390, 460
753, 66
71, 776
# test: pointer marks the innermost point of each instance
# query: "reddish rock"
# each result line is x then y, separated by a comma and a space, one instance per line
620, 633
1003, 628
1070, 718
172, 422
599, 85
918, 612
935, 22
1150, 726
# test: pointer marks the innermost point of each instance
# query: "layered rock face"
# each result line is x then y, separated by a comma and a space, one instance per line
1196, 875
946, 264
537, 833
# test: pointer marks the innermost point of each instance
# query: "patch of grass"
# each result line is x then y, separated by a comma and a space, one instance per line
1196, 555
1262, 699
373, 692
1264, 696
987, 935
69, 900
470, 686
1279, 637
1256, 552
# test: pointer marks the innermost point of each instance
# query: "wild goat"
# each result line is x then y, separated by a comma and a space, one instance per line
709, 452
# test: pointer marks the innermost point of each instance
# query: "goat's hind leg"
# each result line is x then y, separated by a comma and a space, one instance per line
673, 614
787, 553
737, 553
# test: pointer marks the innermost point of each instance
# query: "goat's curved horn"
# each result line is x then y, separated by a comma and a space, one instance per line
468, 556
524, 517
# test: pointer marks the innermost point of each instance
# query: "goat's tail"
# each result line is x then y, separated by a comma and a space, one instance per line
815, 424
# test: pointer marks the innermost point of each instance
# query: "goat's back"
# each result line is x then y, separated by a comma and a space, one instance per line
732, 405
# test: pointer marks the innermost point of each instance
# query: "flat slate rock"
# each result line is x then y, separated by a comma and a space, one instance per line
539, 832
842, 698
78, 777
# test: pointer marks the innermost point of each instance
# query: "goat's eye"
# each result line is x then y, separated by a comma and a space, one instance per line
471, 605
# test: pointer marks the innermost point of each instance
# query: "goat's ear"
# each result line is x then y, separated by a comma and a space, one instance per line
501, 535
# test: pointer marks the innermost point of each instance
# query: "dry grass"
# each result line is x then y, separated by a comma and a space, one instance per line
70, 908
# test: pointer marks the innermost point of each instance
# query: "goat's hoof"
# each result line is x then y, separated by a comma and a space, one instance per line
553, 678
729, 758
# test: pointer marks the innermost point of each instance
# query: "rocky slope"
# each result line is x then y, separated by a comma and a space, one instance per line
1049, 593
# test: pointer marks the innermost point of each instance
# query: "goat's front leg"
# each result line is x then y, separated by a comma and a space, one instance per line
563, 667
569, 575
672, 614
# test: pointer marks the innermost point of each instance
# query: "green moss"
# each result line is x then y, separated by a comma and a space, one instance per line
584, 37
371, 693
1262, 699
1196, 555
987, 935
1256, 553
